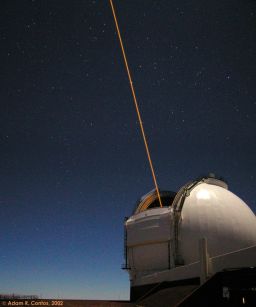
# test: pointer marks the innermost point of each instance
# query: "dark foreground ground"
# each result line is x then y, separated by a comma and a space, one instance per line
62, 303
234, 287
92, 303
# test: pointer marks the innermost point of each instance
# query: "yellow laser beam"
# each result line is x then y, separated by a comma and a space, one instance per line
136, 103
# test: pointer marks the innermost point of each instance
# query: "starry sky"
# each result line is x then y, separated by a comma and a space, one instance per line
72, 159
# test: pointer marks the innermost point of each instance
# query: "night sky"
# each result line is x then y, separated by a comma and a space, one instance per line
73, 163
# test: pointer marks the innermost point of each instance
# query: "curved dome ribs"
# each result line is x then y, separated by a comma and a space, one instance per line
177, 208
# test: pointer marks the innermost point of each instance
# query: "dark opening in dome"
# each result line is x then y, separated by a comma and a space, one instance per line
150, 200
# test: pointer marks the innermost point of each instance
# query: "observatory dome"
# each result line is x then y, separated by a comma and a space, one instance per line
163, 238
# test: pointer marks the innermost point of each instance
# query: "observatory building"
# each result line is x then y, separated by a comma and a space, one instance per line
201, 231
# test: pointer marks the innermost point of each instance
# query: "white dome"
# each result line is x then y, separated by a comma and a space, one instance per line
163, 238
213, 212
